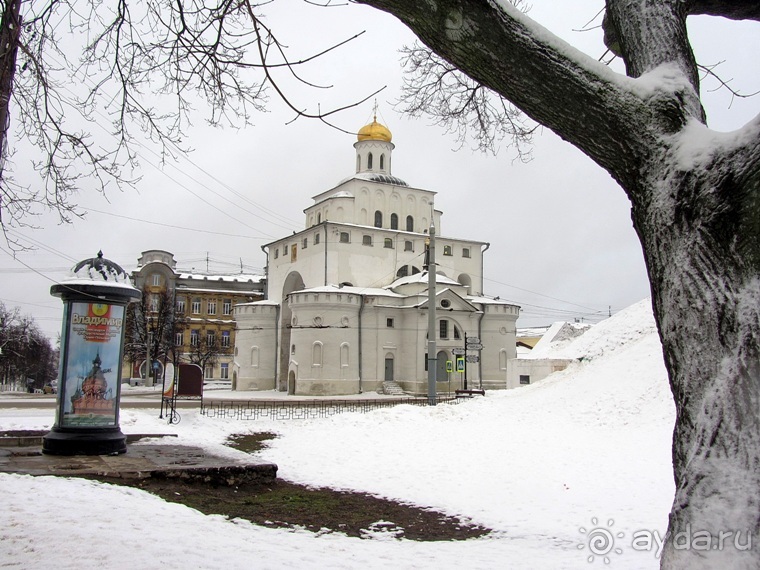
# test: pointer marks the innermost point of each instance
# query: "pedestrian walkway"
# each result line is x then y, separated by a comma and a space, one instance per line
21, 452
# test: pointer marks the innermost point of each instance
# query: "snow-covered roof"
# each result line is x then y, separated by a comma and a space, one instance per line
338, 194
375, 177
366, 291
422, 277
231, 278
488, 301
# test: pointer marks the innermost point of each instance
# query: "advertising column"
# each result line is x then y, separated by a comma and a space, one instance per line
89, 375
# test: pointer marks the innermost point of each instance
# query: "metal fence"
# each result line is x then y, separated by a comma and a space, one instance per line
306, 409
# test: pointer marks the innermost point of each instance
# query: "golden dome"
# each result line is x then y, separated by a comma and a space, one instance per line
374, 132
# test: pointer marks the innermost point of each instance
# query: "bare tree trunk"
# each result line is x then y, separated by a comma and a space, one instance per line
10, 30
697, 215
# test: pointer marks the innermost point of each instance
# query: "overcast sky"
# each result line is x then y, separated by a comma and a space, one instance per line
561, 240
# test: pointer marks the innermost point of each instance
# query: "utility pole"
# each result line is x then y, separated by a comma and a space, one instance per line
432, 357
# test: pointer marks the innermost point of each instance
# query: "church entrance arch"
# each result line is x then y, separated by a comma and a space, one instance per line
388, 368
293, 282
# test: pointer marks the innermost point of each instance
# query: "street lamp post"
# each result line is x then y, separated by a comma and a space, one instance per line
92, 350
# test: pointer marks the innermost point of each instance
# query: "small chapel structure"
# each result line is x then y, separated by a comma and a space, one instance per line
346, 307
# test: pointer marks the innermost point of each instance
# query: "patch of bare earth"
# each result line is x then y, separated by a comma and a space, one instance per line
318, 509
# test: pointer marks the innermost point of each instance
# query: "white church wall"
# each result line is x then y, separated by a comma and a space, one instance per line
324, 335
255, 346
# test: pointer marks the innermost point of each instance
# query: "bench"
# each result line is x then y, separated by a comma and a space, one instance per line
469, 393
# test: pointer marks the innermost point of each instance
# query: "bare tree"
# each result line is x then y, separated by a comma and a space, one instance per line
151, 326
695, 208
27, 357
206, 349
134, 68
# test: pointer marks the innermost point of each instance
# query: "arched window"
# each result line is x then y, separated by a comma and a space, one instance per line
503, 357
369, 161
378, 219
319, 218
344, 355
394, 221
409, 224
316, 354
382, 162
358, 163
255, 356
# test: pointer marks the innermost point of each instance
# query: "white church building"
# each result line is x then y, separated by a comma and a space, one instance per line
346, 308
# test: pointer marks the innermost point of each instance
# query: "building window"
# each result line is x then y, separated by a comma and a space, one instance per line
389, 323
277, 252
285, 250
305, 243
294, 252
227, 307
366, 240
180, 305
195, 336
210, 338
225, 339
382, 162
156, 280
211, 306
445, 303
394, 221
196, 306
388, 243
153, 300
465, 252
319, 218
457, 334
369, 161
316, 239
378, 219
344, 237
524, 379
408, 245
316, 354
209, 373
179, 339
446, 250
344, 355
403, 271
255, 356
409, 224
443, 329
224, 371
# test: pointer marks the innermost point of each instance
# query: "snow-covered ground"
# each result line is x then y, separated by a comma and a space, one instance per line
552, 467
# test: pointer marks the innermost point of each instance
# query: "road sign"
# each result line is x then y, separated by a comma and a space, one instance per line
458, 351
474, 346
473, 340
460, 364
472, 358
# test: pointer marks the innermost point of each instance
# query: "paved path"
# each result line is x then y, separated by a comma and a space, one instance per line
23, 454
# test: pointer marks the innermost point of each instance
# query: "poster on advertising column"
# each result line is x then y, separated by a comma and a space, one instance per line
92, 369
